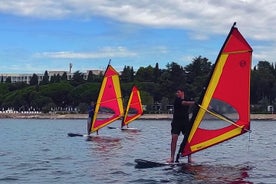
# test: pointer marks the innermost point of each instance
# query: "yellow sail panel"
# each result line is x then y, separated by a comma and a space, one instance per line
223, 109
109, 105
209, 93
216, 140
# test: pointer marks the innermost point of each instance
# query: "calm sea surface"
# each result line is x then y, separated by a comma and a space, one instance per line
39, 151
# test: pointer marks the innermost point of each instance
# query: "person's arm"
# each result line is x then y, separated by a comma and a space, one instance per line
185, 102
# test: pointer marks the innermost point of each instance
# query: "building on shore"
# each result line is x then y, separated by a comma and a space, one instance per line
26, 78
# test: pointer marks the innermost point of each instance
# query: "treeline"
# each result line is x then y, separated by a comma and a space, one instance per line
157, 87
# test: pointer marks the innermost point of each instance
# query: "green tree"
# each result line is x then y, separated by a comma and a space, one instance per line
84, 93
127, 74
197, 75
49, 107
144, 74
34, 80
156, 73
55, 78
126, 89
58, 78
64, 76
263, 82
171, 79
38, 101
146, 99
90, 77
8, 79
58, 92
3, 89
99, 77
16, 86
83, 108
152, 88
45, 79
77, 78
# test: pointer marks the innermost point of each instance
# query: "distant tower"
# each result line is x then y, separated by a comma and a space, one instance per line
70, 67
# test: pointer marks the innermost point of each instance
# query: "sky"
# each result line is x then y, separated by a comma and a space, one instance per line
48, 35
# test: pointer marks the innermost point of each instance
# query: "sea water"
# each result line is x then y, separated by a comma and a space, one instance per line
39, 151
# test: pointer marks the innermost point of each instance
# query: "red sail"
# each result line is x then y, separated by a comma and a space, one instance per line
109, 106
224, 109
134, 107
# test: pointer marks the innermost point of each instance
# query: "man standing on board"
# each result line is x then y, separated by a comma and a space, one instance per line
90, 117
180, 121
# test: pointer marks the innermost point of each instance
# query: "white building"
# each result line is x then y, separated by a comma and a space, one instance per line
27, 77
20, 77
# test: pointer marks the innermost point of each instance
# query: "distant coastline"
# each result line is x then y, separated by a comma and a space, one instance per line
84, 116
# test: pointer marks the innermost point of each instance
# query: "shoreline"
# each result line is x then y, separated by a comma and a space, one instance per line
271, 117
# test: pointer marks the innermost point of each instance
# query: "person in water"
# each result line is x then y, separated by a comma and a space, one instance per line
90, 116
180, 121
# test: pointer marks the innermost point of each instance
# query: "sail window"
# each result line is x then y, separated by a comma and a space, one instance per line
221, 108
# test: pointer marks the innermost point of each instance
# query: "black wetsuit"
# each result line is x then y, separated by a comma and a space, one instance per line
180, 120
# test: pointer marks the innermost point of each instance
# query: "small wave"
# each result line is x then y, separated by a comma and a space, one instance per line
45, 149
37, 169
8, 178
61, 158
119, 173
3, 154
151, 181
129, 164
59, 173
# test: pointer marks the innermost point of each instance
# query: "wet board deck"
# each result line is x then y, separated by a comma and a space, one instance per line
113, 127
127, 129
134, 129
100, 138
76, 135
141, 163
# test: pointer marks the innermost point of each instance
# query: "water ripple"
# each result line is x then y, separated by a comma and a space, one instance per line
39, 151
8, 178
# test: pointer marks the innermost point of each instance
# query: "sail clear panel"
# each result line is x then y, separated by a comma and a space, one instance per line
221, 108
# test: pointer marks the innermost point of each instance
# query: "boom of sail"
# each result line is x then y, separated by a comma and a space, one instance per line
223, 110
109, 105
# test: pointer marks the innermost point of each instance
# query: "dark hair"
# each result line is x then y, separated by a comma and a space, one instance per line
180, 89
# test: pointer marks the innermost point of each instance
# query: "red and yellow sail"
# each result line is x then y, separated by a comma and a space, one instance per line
134, 107
109, 105
225, 103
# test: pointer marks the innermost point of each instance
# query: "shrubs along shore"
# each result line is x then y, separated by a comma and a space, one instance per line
70, 116
84, 116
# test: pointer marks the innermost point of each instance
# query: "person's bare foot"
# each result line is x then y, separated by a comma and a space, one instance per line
189, 159
170, 160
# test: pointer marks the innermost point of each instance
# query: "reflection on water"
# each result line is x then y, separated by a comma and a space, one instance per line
39, 151
216, 173
104, 144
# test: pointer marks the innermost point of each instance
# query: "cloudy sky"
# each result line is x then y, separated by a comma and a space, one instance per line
44, 35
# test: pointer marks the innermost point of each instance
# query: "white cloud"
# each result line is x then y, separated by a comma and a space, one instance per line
104, 52
28, 68
190, 13
265, 53
255, 18
203, 17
